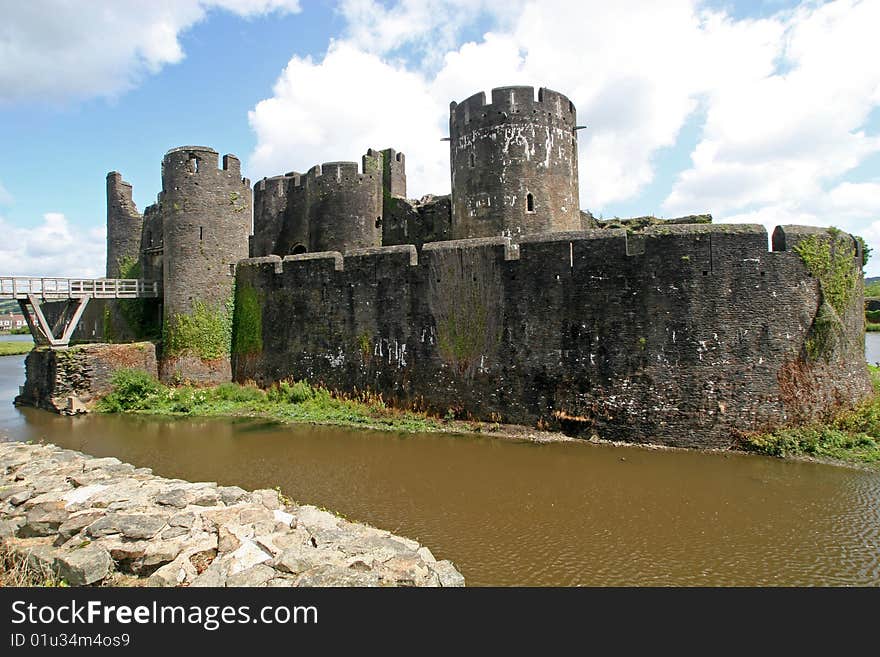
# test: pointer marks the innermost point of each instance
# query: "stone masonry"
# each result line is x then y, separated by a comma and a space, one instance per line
93, 520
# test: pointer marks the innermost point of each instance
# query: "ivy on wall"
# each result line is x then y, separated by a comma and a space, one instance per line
247, 321
831, 259
205, 332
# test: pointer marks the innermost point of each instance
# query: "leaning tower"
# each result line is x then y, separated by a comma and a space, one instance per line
514, 164
206, 217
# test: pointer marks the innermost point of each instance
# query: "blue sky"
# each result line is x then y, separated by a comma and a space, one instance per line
763, 112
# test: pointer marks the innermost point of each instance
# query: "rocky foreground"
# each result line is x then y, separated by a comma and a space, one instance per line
87, 520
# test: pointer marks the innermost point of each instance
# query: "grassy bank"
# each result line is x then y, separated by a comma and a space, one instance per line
15, 348
137, 392
850, 435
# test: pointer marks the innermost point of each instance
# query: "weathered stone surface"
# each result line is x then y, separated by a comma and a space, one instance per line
133, 526
76, 522
336, 576
43, 519
84, 566
10, 527
82, 372
257, 575
130, 521
449, 576
21, 497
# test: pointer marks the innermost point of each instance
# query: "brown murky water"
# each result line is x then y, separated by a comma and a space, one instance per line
516, 513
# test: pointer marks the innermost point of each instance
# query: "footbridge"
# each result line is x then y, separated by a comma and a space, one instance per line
74, 293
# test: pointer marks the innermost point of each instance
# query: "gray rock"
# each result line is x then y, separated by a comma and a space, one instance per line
186, 520
268, 498
176, 497
213, 576
133, 526
40, 558
76, 522
232, 494
178, 572
257, 575
449, 576
174, 532
10, 527
83, 566
336, 576
9, 491
21, 497
43, 520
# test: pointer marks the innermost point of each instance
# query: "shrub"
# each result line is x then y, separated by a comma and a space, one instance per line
236, 393
132, 390
294, 393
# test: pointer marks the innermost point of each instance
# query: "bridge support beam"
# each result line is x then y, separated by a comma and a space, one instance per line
42, 332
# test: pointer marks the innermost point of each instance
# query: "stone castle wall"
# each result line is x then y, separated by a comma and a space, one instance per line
678, 335
66, 380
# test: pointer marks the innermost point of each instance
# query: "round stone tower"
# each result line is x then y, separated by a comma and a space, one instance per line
345, 207
514, 164
206, 214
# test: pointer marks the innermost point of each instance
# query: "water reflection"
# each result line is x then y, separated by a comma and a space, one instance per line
518, 513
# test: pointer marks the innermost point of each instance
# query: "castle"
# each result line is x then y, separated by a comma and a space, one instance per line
502, 302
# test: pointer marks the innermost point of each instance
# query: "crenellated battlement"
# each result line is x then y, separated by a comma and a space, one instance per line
721, 247
514, 103
186, 163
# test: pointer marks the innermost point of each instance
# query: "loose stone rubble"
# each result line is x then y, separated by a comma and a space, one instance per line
89, 519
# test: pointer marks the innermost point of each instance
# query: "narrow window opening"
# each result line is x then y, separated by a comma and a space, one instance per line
232, 269
201, 233
472, 160
571, 255
378, 221
195, 164
530, 202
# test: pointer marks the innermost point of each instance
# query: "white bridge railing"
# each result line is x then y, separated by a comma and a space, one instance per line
19, 287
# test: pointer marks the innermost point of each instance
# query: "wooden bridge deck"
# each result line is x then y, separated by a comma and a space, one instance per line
51, 289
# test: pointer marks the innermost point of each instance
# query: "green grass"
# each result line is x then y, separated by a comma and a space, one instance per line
15, 348
870, 327
134, 391
851, 435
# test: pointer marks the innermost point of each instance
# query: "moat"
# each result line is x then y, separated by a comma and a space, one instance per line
517, 513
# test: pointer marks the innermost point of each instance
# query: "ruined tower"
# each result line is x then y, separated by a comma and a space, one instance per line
124, 226
514, 164
206, 218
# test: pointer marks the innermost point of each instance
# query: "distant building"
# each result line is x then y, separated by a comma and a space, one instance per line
11, 321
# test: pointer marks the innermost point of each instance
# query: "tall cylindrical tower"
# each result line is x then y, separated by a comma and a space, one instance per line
514, 164
345, 207
206, 214
124, 225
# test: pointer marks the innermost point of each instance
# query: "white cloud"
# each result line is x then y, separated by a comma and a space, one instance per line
52, 248
430, 27
337, 109
776, 144
62, 51
634, 93
783, 101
